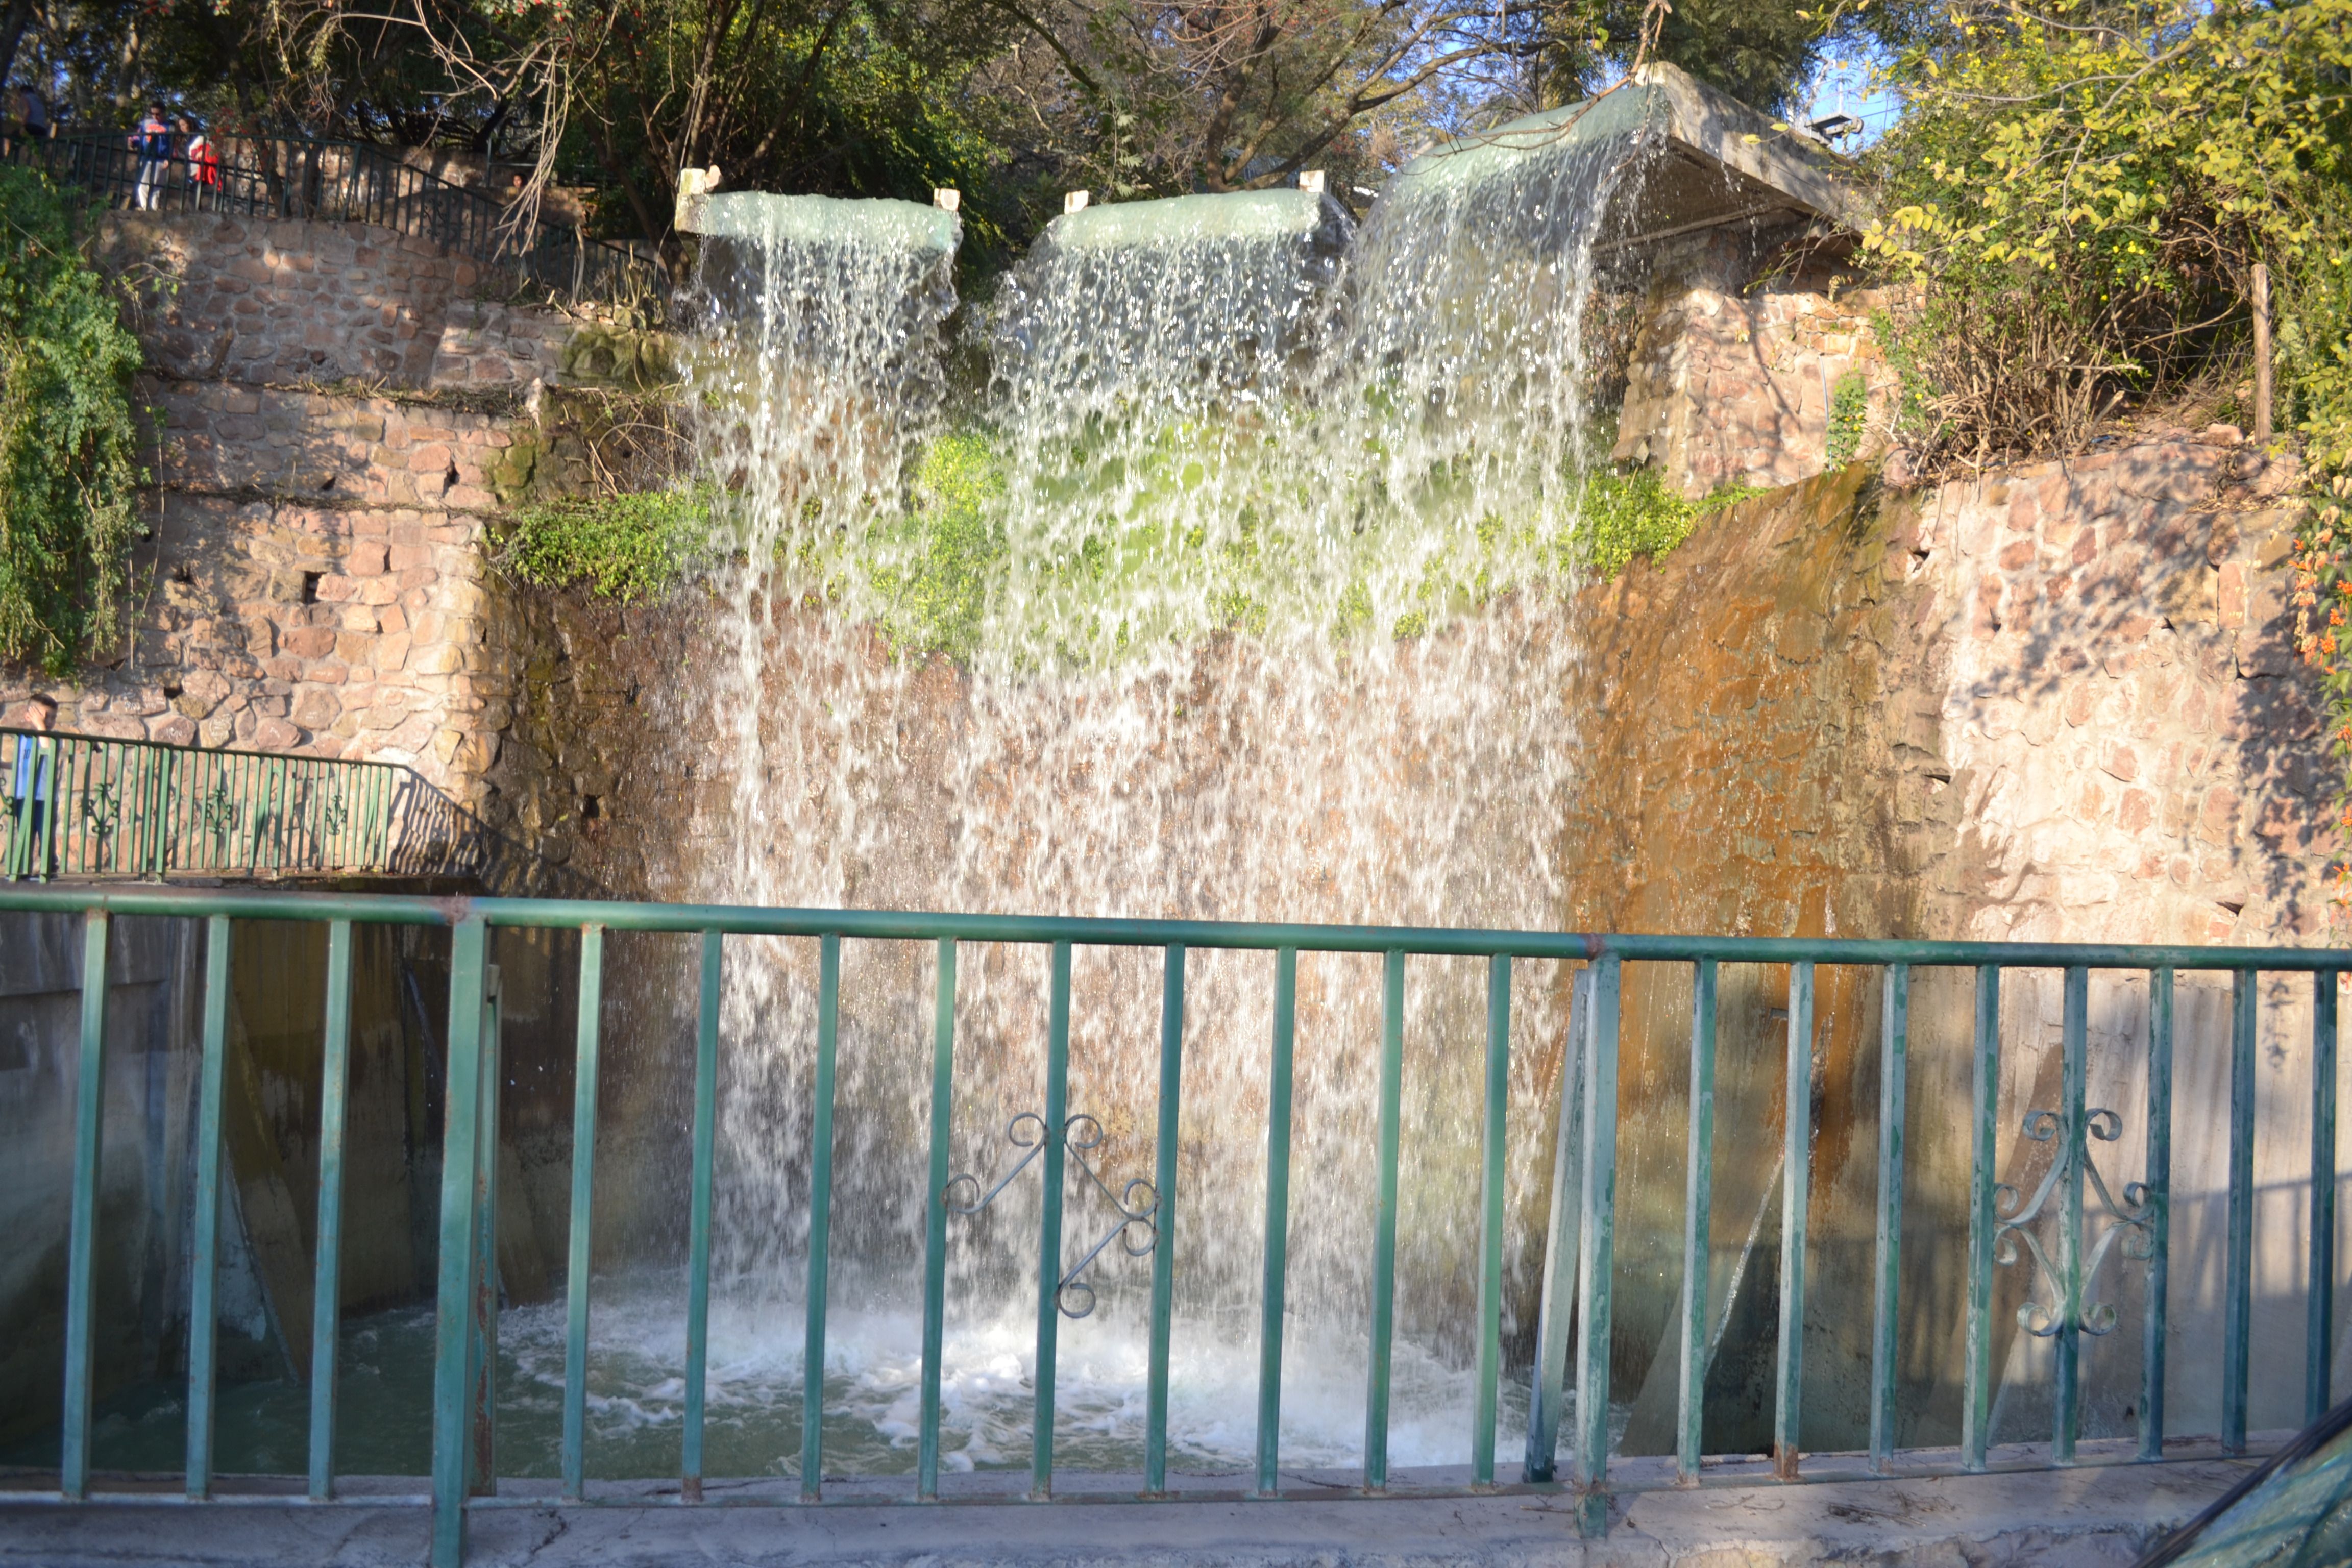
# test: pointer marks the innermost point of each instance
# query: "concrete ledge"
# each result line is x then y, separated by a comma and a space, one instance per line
2097, 1516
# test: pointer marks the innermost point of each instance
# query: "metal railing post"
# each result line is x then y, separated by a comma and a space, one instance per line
204, 1314
2073, 1150
585, 1048
698, 1245
483, 1349
1894, 1049
452, 1327
1548, 1393
326, 1290
2159, 1188
1699, 1200
2237, 1287
1049, 1223
1796, 1196
1163, 1255
820, 1256
1384, 1224
935, 1217
81, 1254
2319, 1332
1975, 1392
1271, 1291
1597, 1251
1490, 1219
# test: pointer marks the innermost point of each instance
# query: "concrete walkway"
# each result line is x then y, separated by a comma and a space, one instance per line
2097, 1515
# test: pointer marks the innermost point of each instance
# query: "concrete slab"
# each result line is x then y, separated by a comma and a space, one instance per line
2098, 1516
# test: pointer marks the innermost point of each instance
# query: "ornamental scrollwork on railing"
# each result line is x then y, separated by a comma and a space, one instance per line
1138, 1203
2129, 1223
101, 811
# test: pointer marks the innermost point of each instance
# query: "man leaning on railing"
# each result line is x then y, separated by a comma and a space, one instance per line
153, 142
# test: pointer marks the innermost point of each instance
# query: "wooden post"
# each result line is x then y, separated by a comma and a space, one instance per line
2261, 431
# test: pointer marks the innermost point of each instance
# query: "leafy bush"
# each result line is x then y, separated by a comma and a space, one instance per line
1630, 515
627, 546
1849, 419
70, 472
2082, 195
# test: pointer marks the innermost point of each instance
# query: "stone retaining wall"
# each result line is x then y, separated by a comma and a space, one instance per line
1733, 386
311, 582
268, 301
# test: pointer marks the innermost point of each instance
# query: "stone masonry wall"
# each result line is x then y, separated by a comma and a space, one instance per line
311, 582
2054, 705
286, 302
1733, 387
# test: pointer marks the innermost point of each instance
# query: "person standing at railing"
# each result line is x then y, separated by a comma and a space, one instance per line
203, 167
153, 143
24, 117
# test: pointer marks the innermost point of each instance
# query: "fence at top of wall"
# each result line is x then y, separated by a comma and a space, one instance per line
346, 182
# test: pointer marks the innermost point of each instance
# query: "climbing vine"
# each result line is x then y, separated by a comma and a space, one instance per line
69, 471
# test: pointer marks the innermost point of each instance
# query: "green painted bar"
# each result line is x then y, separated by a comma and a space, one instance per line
327, 1284
1976, 1388
1049, 1225
897, 925
2159, 1211
1490, 1220
483, 1348
81, 1255
453, 1322
698, 1242
1698, 1201
2066, 1397
2237, 1287
1893, 1057
935, 1217
204, 1253
588, 1041
820, 1258
1796, 1207
2319, 1335
1547, 1382
1384, 1226
1597, 1251
1163, 1255
1277, 1225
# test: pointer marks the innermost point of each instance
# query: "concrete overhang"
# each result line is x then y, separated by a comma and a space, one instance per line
1713, 161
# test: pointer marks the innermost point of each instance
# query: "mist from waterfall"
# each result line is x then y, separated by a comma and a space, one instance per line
1230, 591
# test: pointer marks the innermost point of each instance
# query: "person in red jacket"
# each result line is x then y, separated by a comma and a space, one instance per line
203, 167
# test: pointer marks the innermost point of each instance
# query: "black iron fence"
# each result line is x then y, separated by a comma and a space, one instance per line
341, 182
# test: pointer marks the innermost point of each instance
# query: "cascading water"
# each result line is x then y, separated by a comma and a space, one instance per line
1242, 558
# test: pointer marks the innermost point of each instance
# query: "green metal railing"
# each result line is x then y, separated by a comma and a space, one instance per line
342, 182
85, 807
1579, 1265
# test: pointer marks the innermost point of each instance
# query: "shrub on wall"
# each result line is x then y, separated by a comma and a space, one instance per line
70, 472
2082, 192
629, 545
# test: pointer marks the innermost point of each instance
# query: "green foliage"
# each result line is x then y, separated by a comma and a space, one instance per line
935, 563
1626, 516
628, 546
70, 473
1849, 417
2081, 197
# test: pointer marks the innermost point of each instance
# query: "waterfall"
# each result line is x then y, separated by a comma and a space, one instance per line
1231, 590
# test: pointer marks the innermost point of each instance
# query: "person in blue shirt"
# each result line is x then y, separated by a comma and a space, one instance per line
153, 142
